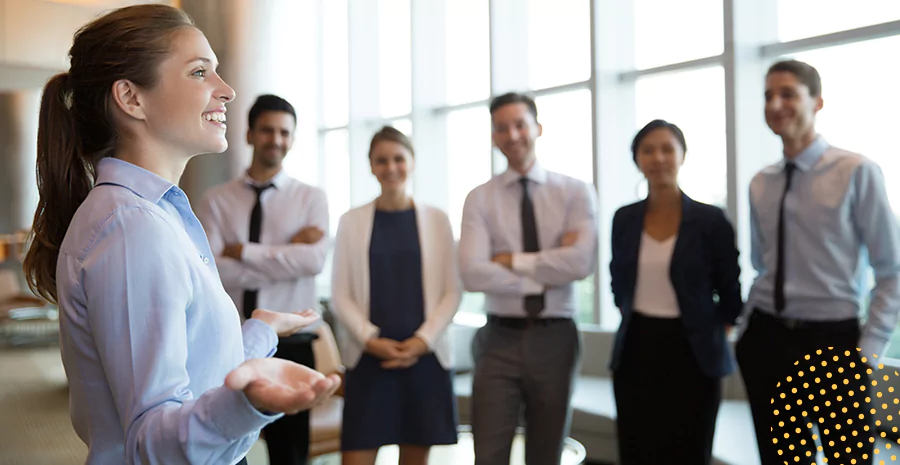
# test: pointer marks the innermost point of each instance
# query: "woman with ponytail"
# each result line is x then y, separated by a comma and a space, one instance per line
160, 369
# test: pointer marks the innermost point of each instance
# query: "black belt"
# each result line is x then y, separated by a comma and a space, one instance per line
298, 338
522, 323
793, 323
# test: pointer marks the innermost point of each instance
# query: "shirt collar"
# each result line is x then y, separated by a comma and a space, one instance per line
278, 180
811, 155
148, 185
537, 174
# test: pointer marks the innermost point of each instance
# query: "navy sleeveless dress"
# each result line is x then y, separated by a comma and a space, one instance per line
416, 405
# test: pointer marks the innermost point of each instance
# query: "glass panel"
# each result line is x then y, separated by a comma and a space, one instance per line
799, 19
667, 32
394, 51
559, 42
468, 157
468, 51
468, 166
403, 125
566, 145
695, 101
858, 123
337, 172
335, 63
302, 161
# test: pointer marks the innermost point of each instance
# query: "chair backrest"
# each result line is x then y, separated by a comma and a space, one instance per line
9, 284
325, 350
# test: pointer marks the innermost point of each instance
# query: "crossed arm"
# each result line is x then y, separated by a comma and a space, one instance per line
528, 273
251, 265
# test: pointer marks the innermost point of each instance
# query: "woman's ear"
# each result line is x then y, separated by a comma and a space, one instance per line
127, 98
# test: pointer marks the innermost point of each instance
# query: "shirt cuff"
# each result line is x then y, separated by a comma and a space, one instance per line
428, 342
531, 287
233, 414
252, 252
524, 263
370, 333
260, 339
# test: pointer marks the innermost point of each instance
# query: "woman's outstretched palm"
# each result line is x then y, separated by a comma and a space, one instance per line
280, 386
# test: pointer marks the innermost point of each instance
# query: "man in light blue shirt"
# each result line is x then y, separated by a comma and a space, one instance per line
818, 217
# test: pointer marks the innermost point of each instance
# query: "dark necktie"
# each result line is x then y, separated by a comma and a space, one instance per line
250, 295
533, 303
789, 168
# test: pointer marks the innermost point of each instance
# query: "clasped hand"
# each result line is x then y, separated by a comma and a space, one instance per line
396, 354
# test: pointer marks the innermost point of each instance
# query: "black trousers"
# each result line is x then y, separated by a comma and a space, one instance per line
666, 407
805, 379
288, 437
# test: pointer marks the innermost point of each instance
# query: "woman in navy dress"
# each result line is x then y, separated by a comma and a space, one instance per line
395, 290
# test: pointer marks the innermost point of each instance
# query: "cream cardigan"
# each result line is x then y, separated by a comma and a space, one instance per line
350, 280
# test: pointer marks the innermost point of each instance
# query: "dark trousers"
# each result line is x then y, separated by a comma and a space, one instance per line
530, 367
799, 377
288, 437
666, 406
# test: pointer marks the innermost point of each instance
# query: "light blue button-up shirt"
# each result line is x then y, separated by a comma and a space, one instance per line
837, 220
147, 332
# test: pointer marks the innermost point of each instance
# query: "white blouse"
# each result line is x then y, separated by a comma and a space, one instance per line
654, 295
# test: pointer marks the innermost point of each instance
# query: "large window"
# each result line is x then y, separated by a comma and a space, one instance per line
799, 19
668, 31
335, 62
695, 102
468, 157
337, 170
467, 51
395, 55
559, 42
566, 145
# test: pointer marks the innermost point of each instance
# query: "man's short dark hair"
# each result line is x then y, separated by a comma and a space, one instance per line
804, 72
514, 97
269, 102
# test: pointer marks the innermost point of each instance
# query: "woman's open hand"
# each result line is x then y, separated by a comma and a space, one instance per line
281, 386
286, 324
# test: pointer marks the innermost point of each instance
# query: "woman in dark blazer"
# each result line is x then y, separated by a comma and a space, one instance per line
675, 280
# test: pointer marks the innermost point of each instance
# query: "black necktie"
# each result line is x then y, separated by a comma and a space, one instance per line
533, 303
789, 168
250, 295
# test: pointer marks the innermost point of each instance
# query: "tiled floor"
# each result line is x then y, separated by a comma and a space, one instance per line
34, 415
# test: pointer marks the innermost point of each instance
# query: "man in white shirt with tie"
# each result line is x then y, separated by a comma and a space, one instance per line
268, 233
527, 235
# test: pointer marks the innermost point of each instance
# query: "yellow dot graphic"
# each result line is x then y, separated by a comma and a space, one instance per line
847, 422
